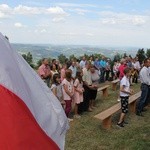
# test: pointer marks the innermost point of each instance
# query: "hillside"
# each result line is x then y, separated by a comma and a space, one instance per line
39, 51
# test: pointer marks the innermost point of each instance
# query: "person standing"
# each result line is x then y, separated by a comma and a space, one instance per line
121, 68
82, 62
125, 92
95, 82
74, 69
78, 92
45, 72
63, 71
68, 92
87, 84
107, 70
137, 68
145, 85
53, 69
56, 88
102, 69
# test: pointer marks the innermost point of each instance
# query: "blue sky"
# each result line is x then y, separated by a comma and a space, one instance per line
81, 22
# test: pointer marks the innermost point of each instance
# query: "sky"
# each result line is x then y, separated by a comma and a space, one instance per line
78, 22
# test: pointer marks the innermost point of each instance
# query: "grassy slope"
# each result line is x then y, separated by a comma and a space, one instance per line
86, 133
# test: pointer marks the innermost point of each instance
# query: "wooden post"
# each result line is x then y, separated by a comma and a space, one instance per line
107, 123
132, 106
105, 92
114, 86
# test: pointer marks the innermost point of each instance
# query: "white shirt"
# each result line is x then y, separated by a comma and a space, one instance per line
87, 76
74, 71
145, 76
125, 82
69, 87
136, 65
82, 63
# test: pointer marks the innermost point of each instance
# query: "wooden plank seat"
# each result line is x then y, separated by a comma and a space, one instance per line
104, 89
106, 115
114, 84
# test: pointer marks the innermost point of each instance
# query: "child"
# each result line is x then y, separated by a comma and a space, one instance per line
132, 75
68, 91
57, 89
78, 93
125, 92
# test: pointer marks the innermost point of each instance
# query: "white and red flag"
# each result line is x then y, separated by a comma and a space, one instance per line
31, 117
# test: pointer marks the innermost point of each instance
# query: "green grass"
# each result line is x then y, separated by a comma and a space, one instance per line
87, 133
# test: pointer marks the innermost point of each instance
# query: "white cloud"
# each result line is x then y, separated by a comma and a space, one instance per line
138, 20
75, 5
69, 34
2, 15
57, 20
56, 11
113, 18
43, 25
80, 11
43, 31
89, 34
109, 21
25, 10
39, 31
5, 11
36, 31
19, 25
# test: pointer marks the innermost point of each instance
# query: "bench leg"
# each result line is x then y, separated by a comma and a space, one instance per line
107, 123
114, 86
105, 92
132, 107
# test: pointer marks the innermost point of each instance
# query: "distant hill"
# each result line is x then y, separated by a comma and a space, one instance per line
44, 50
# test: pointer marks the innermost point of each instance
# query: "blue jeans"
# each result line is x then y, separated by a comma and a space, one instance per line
102, 77
143, 98
148, 98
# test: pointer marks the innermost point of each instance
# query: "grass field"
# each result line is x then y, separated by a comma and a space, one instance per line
86, 133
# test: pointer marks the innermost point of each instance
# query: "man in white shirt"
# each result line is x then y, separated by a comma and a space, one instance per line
137, 64
145, 85
87, 84
82, 62
74, 69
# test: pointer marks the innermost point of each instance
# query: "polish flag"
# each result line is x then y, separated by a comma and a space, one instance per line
31, 117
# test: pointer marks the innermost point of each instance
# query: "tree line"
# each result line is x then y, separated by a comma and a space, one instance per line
141, 54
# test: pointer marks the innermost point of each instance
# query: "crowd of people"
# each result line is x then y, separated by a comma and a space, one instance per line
75, 83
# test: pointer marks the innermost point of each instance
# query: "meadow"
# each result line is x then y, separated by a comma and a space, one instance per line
87, 133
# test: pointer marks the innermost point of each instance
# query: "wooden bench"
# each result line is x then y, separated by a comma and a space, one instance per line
104, 89
106, 115
114, 84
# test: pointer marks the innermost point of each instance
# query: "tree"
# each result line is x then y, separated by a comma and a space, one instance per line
148, 53
117, 57
28, 57
99, 56
125, 55
62, 58
24, 56
72, 57
141, 55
